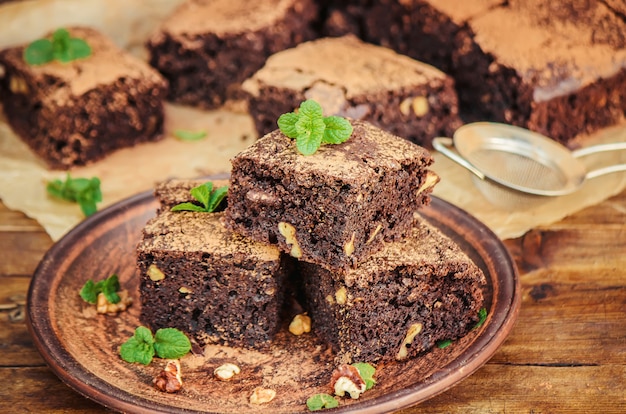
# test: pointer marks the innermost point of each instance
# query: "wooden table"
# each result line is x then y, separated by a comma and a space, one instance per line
567, 352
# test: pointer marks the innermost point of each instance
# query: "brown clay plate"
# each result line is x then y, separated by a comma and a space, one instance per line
82, 347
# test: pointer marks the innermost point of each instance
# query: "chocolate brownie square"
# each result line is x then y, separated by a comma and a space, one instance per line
74, 113
553, 67
207, 281
405, 97
335, 207
400, 302
206, 48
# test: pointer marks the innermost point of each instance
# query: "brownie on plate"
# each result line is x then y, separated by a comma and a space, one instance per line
408, 98
335, 207
400, 302
207, 281
206, 48
73, 113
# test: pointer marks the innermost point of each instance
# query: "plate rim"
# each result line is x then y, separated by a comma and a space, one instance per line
59, 360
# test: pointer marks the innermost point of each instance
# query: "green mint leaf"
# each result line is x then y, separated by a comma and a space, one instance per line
62, 47
444, 343
89, 292
310, 109
287, 124
202, 193
311, 129
216, 198
188, 207
39, 52
206, 195
320, 401
186, 135
139, 348
110, 286
170, 343
85, 192
310, 133
337, 130
482, 317
367, 372
79, 48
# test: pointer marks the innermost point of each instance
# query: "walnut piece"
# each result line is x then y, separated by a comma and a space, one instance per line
262, 395
348, 247
411, 333
346, 379
301, 323
289, 233
104, 306
341, 296
226, 372
154, 273
169, 380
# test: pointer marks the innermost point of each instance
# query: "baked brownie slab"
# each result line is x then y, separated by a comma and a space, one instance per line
398, 303
359, 80
335, 207
206, 48
73, 113
207, 281
553, 67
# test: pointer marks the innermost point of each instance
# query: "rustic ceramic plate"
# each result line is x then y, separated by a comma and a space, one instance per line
82, 347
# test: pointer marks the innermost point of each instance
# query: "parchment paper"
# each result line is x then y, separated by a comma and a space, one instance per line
129, 171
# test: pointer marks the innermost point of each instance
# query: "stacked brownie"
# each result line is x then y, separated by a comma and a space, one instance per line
359, 80
379, 282
73, 113
205, 280
206, 48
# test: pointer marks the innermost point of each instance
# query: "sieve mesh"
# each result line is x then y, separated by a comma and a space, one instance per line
518, 169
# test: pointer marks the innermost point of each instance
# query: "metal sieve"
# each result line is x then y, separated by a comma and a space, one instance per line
513, 165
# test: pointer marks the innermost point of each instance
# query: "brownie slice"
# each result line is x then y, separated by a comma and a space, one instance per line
553, 67
206, 48
400, 302
359, 80
335, 207
207, 281
73, 113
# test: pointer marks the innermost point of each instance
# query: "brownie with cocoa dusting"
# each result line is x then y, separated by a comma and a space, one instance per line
408, 98
400, 302
553, 67
207, 281
207, 48
73, 113
335, 207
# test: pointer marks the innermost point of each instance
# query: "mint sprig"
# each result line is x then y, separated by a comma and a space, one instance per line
61, 47
84, 191
168, 343
109, 288
321, 401
311, 129
207, 196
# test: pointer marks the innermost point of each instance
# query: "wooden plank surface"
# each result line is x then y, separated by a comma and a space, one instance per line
566, 354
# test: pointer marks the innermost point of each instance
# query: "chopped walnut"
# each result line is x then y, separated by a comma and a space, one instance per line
226, 372
169, 380
262, 395
346, 379
289, 233
104, 306
300, 324
411, 333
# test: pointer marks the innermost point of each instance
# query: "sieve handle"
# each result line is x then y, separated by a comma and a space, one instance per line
444, 145
615, 146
